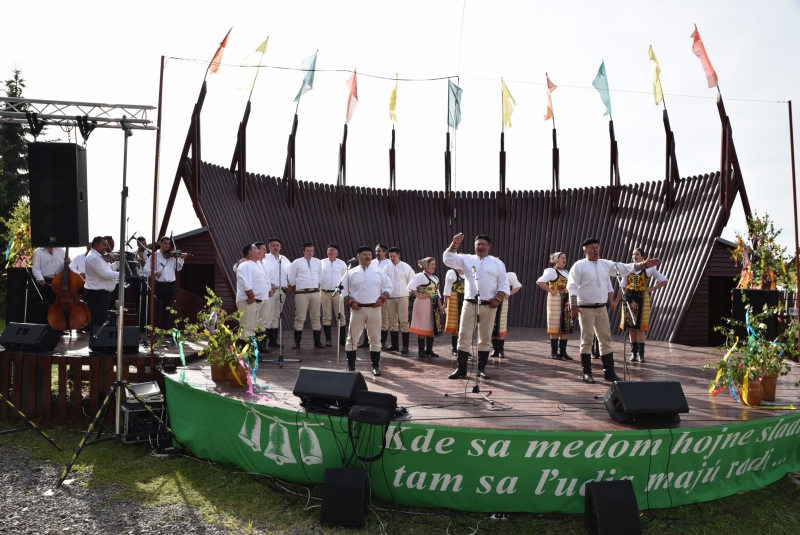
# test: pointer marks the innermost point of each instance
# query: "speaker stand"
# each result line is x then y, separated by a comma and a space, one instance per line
99, 423
31, 425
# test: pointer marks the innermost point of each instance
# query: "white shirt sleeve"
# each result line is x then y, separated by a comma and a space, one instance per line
653, 272
449, 279
549, 275
453, 260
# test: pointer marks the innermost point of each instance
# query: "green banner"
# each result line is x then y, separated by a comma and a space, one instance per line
488, 470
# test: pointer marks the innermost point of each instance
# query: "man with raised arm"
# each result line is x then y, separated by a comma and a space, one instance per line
590, 294
480, 300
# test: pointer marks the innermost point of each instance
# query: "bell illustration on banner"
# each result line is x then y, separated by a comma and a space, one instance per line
310, 450
279, 448
251, 431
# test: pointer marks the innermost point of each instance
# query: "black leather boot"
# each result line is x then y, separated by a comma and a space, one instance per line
461, 371
261, 336
404, 349
365, 343
562, 350
298, 335
351, 360
494, 348
554, 349
384, 334
501, 348
608, 368
317, 338
394, 337
421, 342
634, 351
327, 329
273, 337
641, 351
343, 335
454, 343
483, 358
376, 362
429, 347
586, 362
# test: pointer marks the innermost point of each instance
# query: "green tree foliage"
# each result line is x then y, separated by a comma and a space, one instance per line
13, 152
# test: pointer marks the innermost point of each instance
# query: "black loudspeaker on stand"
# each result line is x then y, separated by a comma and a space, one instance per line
323, 389
646, 401
344, 497
105, 340
59, 202
30, 337
611, 508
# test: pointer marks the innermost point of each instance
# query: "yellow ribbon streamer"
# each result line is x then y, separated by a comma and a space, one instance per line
713, 385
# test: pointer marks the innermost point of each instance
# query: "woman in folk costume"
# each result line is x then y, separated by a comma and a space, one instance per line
635, 316
501, 319
453, 292
559, 317
426, 319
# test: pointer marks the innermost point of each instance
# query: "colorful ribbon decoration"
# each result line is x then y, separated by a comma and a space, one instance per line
175, 338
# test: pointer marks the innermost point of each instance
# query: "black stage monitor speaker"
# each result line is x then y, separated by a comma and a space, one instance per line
344, 497
30, 337
646, 401
59, 202
328, 387
106, 341
611, 508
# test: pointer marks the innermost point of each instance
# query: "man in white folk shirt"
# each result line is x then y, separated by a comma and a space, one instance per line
303, 279
380, 260
333, 269
253, 287
279, 270
78, 264
492, 288
265, 311
47, 263
166, 275
366, 289
101, 279
400, 275
589, 296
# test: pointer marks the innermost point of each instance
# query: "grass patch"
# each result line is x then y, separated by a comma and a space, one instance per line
227, 497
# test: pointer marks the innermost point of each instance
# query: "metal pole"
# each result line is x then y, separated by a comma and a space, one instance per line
151, 301
122, 266
794, 200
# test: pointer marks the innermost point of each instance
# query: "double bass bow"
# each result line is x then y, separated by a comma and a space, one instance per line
68, 311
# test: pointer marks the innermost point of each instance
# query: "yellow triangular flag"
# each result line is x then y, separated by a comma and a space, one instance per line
250, 67
393, 103
508, 104
658, 93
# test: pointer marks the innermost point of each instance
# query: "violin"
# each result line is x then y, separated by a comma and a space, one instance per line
68, 311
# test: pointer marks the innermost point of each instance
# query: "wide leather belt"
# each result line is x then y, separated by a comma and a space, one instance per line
307, 291
329, 291
475, 302
592, 305
366, 305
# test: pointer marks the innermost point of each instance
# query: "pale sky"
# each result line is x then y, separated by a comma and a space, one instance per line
93, 51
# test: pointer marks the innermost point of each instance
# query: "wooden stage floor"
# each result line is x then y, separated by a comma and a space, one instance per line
531, 390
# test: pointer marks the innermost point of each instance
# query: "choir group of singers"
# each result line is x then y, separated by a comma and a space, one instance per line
377, 290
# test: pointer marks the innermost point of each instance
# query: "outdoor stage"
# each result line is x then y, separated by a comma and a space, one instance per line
533, 450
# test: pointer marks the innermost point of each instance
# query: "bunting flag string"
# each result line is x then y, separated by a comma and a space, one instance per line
453, 105
508, 104
658, 92
601, 84
217, 59
550, 88
352, 98
246, 78
699, 50
310, 66
393, 103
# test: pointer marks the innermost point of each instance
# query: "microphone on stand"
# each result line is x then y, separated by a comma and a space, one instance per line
353, 260
128, 243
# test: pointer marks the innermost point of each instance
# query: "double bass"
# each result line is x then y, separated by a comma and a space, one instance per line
68, 311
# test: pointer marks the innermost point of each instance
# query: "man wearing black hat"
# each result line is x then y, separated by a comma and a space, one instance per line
279, 270
400, 275
590, 292
380, 260
303, 278
366, 289
480, 301
333, 270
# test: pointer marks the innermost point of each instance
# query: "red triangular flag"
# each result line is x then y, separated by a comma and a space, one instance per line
352, 98
217, 59
699, 50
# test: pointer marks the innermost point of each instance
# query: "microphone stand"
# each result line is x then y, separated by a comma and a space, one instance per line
280, 360
626, 306
339, 288
475, 389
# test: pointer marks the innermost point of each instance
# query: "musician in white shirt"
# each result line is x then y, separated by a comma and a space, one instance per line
400, 275
366, 289
333, 269
303, 279
166, 273
101, 279
47, 263
279, 269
